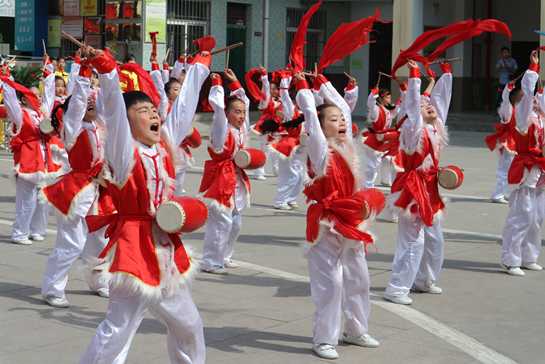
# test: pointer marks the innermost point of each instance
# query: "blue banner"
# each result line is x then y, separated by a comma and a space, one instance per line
24, 25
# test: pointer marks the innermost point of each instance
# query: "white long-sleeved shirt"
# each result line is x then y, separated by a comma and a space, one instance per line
329, 93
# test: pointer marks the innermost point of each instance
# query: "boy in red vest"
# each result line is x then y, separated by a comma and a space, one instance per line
147, 268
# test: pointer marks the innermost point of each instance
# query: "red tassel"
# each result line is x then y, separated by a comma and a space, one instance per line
297, 53
30, 96
153, 37
144, 81
252, 87
206, 44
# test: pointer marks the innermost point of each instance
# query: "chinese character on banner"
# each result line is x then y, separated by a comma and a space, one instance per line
24, 25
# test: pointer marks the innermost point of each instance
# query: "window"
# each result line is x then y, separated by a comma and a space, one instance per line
187, 20
315, 34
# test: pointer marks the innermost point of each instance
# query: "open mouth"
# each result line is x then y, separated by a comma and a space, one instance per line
431, 112
90, 108
342, 132
155, 128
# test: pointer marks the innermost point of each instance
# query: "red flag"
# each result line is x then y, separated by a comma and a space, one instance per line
30, 96
541, 48
297, 52
145, 83
153, 37
206, 44
346, 39
252, 87
488, 25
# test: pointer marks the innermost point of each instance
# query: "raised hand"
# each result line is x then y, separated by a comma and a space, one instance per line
230, 75
534, 57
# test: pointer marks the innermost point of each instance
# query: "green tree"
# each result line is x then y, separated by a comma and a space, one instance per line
24, 75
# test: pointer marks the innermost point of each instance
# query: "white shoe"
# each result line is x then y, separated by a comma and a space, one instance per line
499, 200
103, 292
434, 290
293, 205
393, 219
531, 266
230, 264
220, 270
325, 351
402, 299
36, 237
56, 301
506, 198
260, 178
364, 340
514, 271
385, 184
183, 192
283, 207
22, 242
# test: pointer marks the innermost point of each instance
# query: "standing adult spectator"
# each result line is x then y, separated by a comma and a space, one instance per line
507, 68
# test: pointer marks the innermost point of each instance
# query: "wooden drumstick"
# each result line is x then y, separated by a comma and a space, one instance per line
227, 60
43, 42
168, 51
347, 75
73, 40
315, 67
226, 48
11, 61
385, 74
448, 60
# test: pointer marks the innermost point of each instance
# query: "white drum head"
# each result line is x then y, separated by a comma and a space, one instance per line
448, 178
189, 132
303, 139
280, 114
380, 137
170, 217
242, 159
45, 126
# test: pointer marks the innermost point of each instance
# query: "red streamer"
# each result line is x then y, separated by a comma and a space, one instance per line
252, 87
206, 44
297, 49
153, 36
145, 83
30, 96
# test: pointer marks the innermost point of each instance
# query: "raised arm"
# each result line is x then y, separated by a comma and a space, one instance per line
165, 73
73, 118
442, 93
74, 72
119, 144
316, 143
351, 94
523, 111
265, 88
238, 91
506, 109
13, 109
329, 93
155, 75
184, 107
372, 106
219, 123
412, 127
48, 97
178, 67
285, 96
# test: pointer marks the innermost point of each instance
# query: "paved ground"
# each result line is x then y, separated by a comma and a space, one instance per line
262, 311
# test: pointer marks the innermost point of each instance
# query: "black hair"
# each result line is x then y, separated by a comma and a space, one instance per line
59, 78
321, 109
55, 121
505, 49
513, 95
135, 97
128, 58
270, 126
229, 100
384, 91
61, 57
294, 123
170, 83
21, 95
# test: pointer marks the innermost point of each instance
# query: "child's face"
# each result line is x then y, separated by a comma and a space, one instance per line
333, 124
236, 114
385, 100
59, 87
94, 80
91, 112
145, 123
428, 112
61, 64
54, 63
174, 91
274, 90
36, 92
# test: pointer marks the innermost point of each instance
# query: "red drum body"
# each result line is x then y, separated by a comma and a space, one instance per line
193, 138
354, 130
374, 201
450, 177
250, 158
182, 215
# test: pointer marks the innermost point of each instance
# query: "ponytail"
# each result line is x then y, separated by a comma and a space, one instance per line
55, 121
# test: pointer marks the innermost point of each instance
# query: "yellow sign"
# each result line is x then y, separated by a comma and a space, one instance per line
89, 8
54, 33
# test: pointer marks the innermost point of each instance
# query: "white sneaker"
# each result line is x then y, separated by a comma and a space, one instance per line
183, 192
283, 207
260, 178
36, 237
230, 264
325, 351
531, 266
499, 200
56, 301
103, 292
514, 271
385, 184
506, 198
220, 270
434, 290
401, 299
22, 242
364, 340
293, 205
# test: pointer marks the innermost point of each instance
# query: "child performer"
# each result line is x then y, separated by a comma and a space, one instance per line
60, 70
339, 277
31, 154
415, 191
503, 142
147, 268
381, 114
522, 231
75, 194
225, 188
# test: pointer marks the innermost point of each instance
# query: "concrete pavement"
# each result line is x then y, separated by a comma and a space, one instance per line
262, 311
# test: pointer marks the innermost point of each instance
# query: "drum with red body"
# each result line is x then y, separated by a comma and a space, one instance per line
193, 138
374, 201
450, 177
46, 126
250, 158
303, 139
182, 215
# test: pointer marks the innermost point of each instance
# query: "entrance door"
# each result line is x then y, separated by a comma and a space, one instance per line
380, 54
237, 56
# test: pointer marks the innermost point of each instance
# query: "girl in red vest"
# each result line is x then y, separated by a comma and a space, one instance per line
76, 194
415, 192
146, 268
32, 155
522, 231
336, 238
225, 188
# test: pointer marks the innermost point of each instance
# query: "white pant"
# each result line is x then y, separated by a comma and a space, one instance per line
113, 337
73, 239
522, 231
222, 231
291, 176
263, 140
374, 161
180, 178
418, 258
31, 216
504, 163
339, 279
